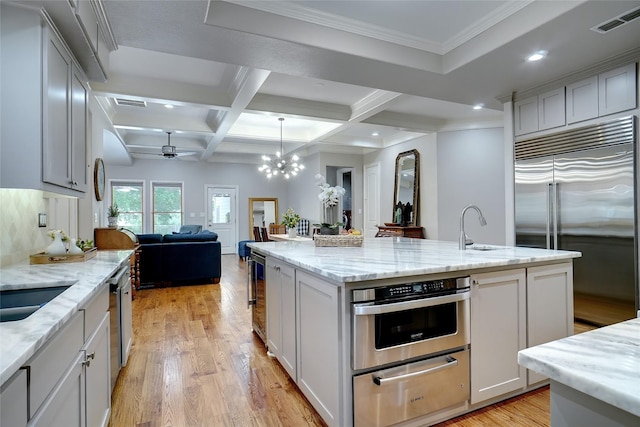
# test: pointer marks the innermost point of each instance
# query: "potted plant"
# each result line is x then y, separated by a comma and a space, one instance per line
290, 219
112, 215
329, 197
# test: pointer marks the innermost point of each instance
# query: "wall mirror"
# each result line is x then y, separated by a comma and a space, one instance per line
406, 199
262, 212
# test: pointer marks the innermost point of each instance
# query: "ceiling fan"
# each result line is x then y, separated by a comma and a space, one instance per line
169, 151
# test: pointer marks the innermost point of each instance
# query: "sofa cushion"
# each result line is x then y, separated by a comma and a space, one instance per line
190, 228
200, 237
149, 238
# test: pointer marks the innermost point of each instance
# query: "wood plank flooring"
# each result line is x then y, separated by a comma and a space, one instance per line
195, 362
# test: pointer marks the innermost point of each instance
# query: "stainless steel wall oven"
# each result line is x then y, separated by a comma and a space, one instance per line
410, 350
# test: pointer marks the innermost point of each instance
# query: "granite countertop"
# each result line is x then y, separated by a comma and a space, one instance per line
387, 257
19, 340
603, 363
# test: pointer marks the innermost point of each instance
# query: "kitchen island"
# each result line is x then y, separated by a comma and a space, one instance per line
64, 345
518, 297
595, 376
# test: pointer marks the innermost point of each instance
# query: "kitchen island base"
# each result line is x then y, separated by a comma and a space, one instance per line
570, 407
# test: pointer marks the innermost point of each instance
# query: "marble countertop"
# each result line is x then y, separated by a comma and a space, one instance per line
387, 257
603, 363
19, 340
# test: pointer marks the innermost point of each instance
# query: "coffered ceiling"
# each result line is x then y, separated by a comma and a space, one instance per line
347, 76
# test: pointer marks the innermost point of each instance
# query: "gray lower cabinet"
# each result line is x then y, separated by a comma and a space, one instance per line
70, 381
498, 332
319, 359
281, 314
13, 404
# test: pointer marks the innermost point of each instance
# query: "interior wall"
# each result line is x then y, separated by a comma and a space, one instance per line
194, 177
471, 170
427, 148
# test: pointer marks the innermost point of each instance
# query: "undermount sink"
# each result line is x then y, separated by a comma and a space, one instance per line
484, 247
19, 304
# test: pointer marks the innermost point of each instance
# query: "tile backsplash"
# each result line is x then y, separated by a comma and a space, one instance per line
20, 235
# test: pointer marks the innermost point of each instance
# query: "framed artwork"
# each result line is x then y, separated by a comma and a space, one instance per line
99, 179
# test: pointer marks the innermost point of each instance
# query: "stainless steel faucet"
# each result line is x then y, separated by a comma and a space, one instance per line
464, 239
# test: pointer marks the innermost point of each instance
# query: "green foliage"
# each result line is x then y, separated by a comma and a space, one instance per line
290, 218
113, 210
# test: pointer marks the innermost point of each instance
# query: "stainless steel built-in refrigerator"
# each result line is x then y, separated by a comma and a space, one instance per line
576, 190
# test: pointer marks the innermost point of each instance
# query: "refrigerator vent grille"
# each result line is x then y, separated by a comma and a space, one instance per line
614, 132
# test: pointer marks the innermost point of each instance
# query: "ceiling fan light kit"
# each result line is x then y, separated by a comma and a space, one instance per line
280, 165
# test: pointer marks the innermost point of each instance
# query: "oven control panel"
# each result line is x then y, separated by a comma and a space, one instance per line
409, 290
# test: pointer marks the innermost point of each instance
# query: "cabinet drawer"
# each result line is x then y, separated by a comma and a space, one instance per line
94, 311
52, 360
13, 400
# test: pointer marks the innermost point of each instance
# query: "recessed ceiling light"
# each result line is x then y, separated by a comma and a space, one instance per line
537, 56
478, 106
375, 134
169, 106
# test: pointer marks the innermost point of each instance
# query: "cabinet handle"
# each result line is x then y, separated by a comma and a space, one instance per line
91, 355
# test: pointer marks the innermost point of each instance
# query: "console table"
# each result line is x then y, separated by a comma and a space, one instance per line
399, 231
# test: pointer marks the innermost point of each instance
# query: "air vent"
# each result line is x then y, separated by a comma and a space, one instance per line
617, 21
131, 102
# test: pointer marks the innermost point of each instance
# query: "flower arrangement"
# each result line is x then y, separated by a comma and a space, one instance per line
63, 235
290, 218
329, 197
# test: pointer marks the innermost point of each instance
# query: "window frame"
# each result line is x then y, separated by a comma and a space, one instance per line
152, 211
134, 183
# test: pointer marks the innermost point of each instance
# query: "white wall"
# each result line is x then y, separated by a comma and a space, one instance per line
195, 176
471, 170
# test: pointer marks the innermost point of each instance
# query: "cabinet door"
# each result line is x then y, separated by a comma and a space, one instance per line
582, 100
549, 306
319, 359
274, 308
79, 167
498, 332
56, 157
525, 116
551, 109
617, 90
288, 320
98, 375
65, 406
13, 400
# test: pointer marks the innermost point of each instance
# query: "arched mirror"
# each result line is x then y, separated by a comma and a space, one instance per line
262, 212
406, 201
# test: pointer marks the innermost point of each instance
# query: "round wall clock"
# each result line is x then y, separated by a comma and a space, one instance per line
98, 178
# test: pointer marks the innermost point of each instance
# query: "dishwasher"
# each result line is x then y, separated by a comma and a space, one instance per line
120, 313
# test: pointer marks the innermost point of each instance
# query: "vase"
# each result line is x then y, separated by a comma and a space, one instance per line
324, 230
113, 221
73, 248
56, 247
292, 232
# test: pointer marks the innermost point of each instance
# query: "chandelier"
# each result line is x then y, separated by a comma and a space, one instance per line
280, 165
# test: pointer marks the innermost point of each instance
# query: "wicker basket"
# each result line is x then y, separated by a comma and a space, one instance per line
342, 240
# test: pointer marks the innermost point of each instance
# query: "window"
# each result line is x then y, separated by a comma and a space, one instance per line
167, 207
128, 196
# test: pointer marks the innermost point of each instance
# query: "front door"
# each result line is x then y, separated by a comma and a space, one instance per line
222, 216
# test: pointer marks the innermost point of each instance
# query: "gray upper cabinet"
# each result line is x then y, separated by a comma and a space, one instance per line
617, 90
526, 116
582, 100
43, 107
551, 111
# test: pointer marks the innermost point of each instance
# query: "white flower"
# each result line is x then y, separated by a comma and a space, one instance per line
329, 196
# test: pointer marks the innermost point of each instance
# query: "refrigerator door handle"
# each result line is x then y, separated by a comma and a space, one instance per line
555, 215
549, 210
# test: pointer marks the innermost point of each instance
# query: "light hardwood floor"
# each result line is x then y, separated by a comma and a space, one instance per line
195, 362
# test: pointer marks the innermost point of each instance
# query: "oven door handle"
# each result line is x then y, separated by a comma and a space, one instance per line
367, 310
449, 363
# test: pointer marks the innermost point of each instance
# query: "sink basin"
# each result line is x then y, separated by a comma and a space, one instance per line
21, 303
484, 247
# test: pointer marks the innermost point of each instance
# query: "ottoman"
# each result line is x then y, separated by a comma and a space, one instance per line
243, 250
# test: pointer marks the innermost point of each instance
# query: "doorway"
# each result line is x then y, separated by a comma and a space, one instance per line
371, 199
222, 215
344, 178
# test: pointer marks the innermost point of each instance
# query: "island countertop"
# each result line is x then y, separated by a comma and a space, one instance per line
603, 363
19, 340
388, 257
